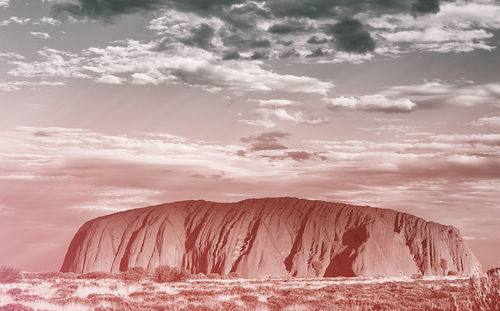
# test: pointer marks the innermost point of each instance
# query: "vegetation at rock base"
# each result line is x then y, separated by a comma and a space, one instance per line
174, 289
9, 274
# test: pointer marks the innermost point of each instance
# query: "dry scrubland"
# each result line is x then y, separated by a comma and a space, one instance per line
174, 290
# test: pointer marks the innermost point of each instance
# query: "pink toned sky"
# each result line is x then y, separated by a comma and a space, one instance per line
107, 108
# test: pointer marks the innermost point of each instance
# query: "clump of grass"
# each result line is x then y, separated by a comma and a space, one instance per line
15, 307
49, 275
9, 274
96, 276
165, 274
134, 274
485, 294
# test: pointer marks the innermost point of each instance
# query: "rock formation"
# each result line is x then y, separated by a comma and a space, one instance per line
270, 237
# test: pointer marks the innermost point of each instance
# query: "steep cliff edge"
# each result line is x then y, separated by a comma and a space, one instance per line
270, 237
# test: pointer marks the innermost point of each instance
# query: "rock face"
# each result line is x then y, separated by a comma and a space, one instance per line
270, 237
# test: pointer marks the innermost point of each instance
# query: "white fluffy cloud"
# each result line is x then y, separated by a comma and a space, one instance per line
109, 79
406, 98
460, 26
266, 123
18, 85
15, 20
487, 121
372, 103
458, 94
139, 63
40, 35
49, 21
276, 103
279, 109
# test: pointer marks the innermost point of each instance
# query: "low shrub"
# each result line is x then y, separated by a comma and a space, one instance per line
14, 291
493, 272
165, 274
9, 274
48, 275
15, 307
134, 274
96, 276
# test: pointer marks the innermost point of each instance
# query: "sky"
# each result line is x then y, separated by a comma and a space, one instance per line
116, 104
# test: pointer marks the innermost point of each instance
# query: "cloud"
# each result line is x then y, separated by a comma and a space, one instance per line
15, 21
266, 141
275, 108
139, 63
110, 79
315, 40
45, 20
259, 123
317, 53
296, 156
275, 103
11, 55
351, 36
284, 115
201, 36
4, 3
436, 94
492, 121
40, 35
19, 85
313, 9
333, 8
460, 26
372, 103
280, 29
105, 9
428, 95
287, 27
425, 6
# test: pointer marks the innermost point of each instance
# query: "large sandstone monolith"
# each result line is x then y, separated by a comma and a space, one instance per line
270, 237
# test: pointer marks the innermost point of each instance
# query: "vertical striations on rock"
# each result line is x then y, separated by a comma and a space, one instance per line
270, 237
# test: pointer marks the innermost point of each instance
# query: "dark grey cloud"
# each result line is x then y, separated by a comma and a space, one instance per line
107, 9
244, 14
240, 33
333, 8
289, 53
289, 26
201, 36
258, 55
266, 141
231, 56
350, 36
425, 7
245, 41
